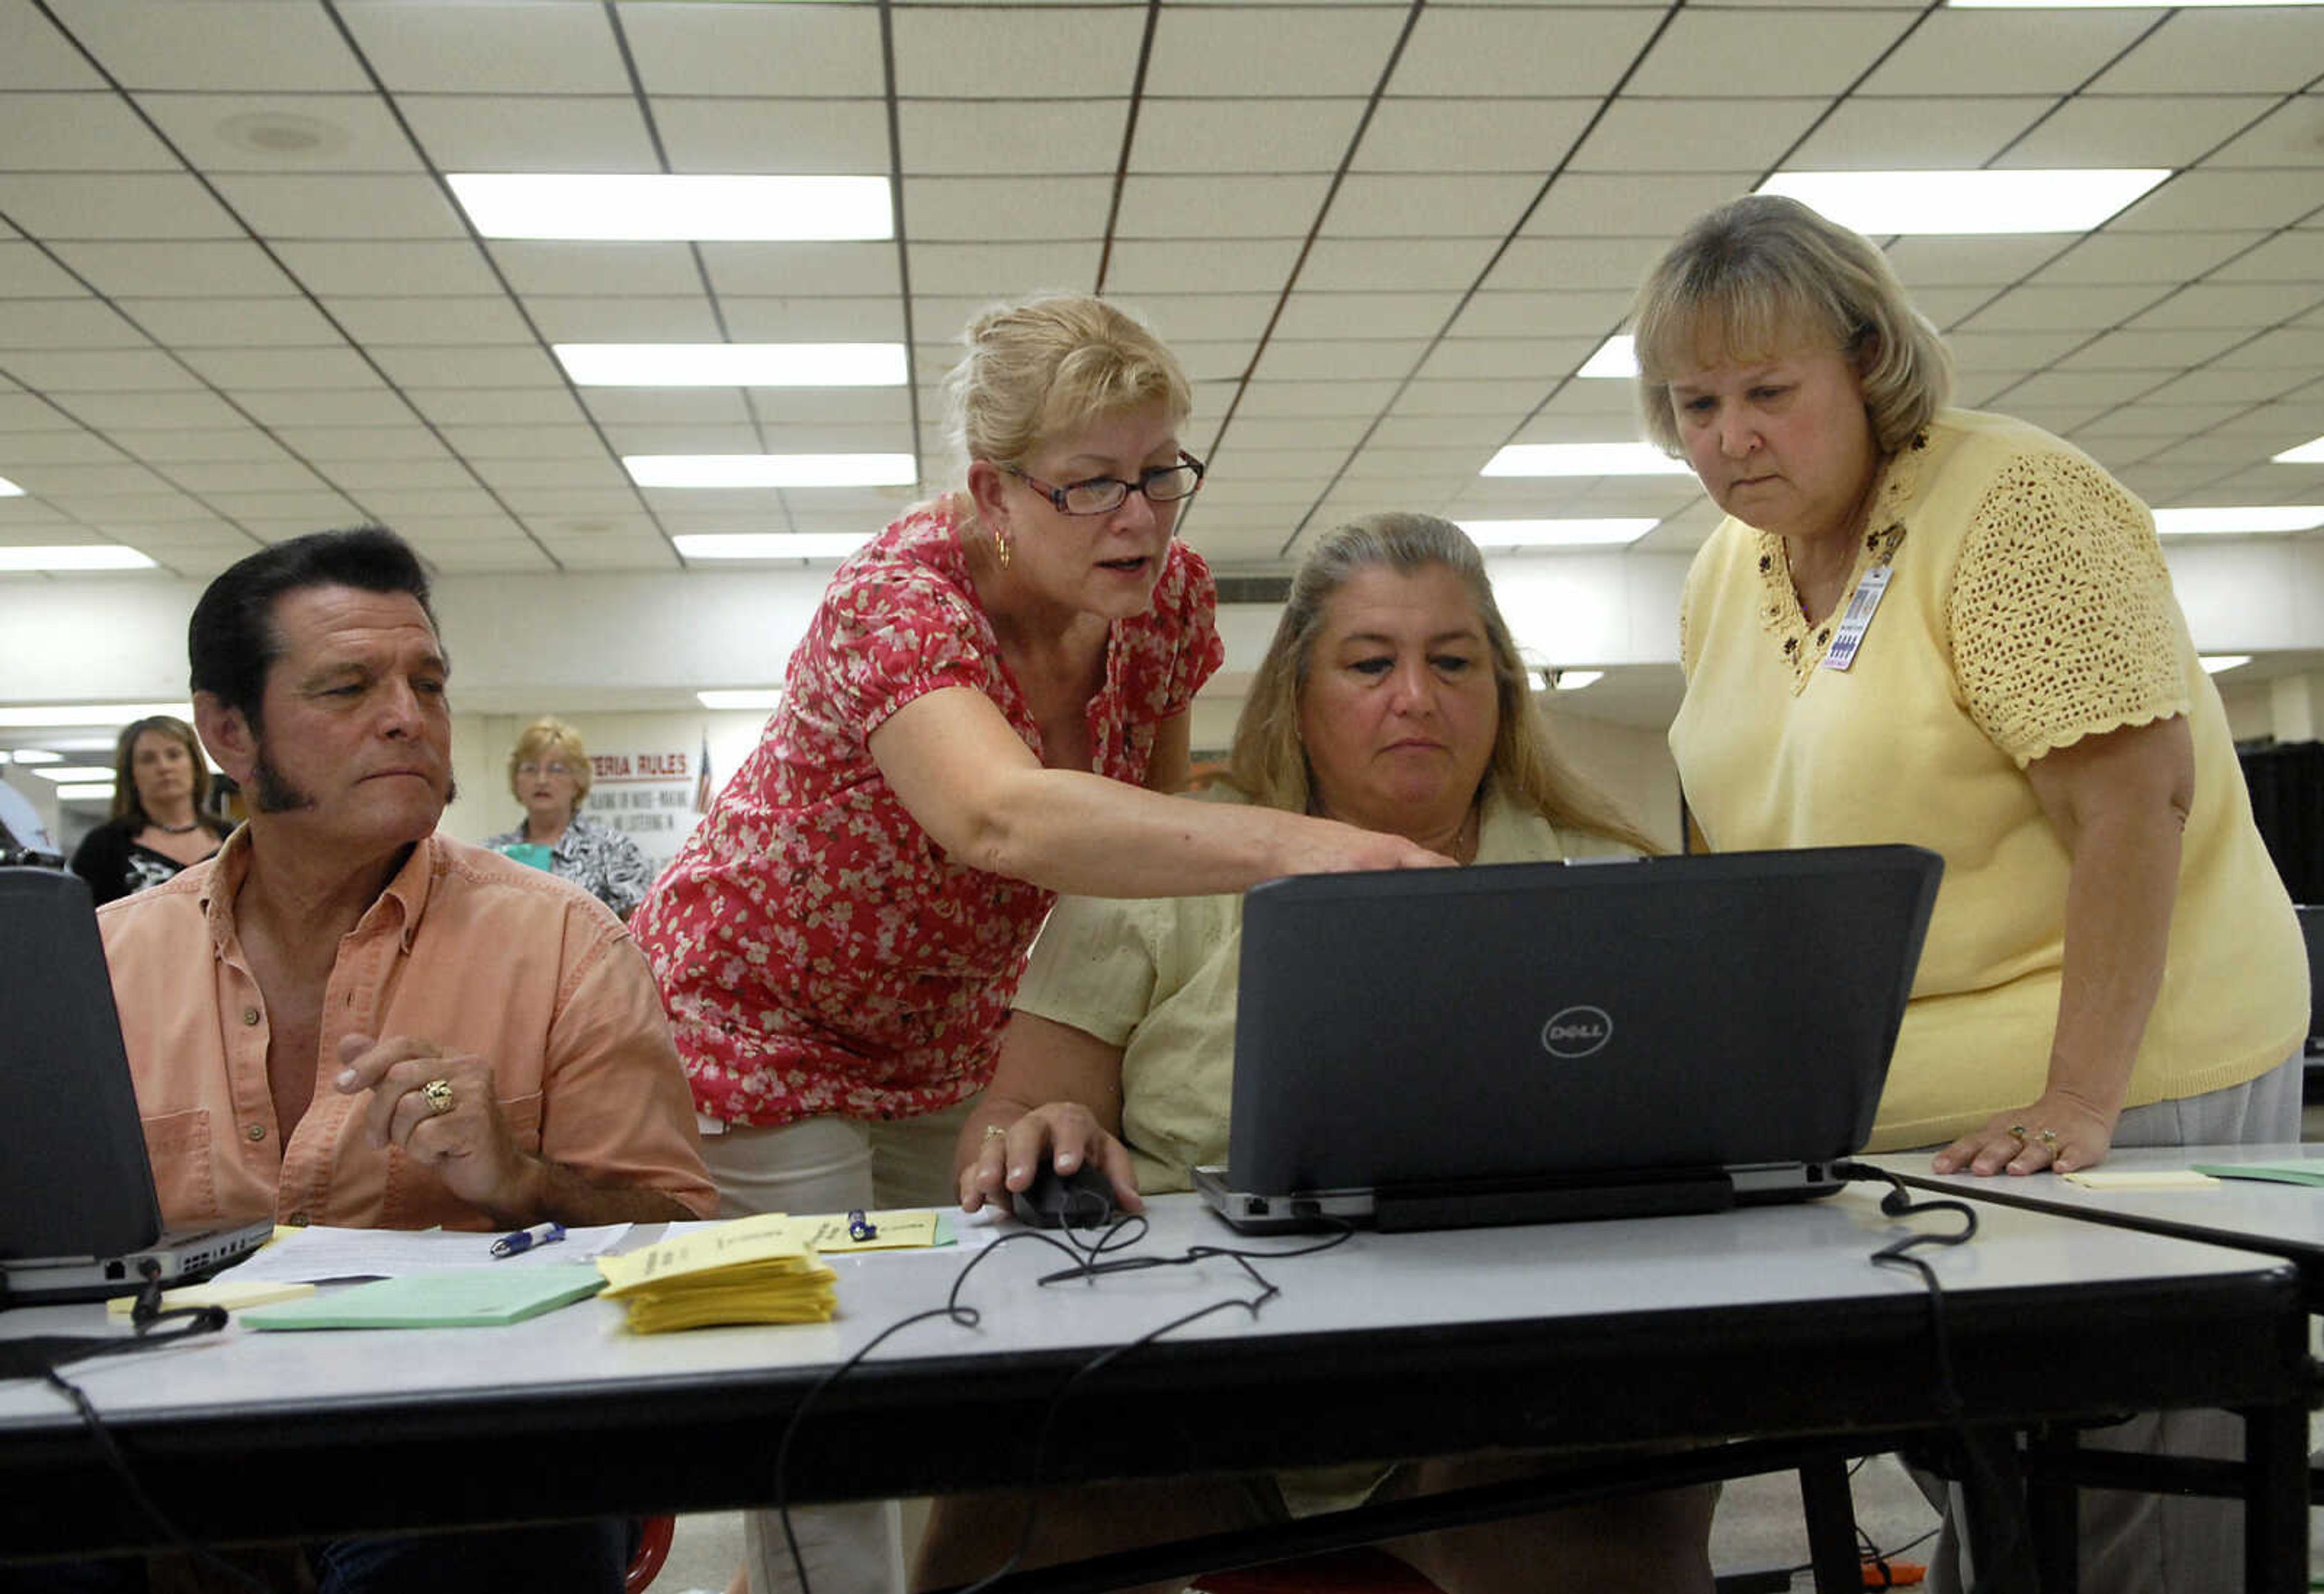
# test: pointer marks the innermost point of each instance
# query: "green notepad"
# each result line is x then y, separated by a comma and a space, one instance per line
470, 1297
2298, 1171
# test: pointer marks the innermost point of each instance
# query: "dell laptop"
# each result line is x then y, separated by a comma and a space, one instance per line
78, 1215
1524, 1043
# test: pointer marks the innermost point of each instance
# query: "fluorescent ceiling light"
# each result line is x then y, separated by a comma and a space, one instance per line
32, 756
36, 716
2306, 453
75, 771
751, 697
1557, 533
1617, 359
2230, 520
647, 206
1583, 459
88, 794
9, 489
74, 556
733, 365
823, 545
1575, 679
1980, 201
2217, 663
771, 470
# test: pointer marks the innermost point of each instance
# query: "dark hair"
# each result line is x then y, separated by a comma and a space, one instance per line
231, 641
127, 804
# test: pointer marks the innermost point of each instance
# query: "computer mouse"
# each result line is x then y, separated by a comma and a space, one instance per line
1083, 1199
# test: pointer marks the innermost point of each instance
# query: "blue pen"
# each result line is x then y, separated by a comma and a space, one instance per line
524, 1239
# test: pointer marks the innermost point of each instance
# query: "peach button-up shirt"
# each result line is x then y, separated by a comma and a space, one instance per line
464, 948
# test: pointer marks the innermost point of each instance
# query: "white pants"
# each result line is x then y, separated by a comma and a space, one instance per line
2135, 1543
831, 1165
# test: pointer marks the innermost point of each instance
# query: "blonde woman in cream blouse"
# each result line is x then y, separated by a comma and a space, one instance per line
1926, 624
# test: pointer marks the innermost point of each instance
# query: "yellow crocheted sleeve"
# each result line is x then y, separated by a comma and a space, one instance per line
2061, 615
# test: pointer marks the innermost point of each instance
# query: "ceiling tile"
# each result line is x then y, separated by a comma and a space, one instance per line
2004, 51
27, 274
1712, 54
506, 366
802, 268
110, 371
1258, 51
1003, 269
241, 371
1350, 359
1555, 52
1905, 134
1560, 314
674, 406
343, 204
24, 411
207, 445
33, 54
2288, 257
1310, 313
2173, 129
813, 51
752, 320
2250, 305
2292, 134
1077, 50
142, 206
333, 445
962, 208
1466, 205
525, 442
1559, 265
283, 133
531, 132
1498, 358
440, 319
496, 407
371, 407
2223, 50
1243, 266
481, 47
249, 475
63, 323
2059, 310
2145, 257
389, 269
19, 449
1213, 317
78, 133
230, 323
598, 473
2214, 202
220, 44
2162, 351
1638, 133
1647, 207
844, 137
1428, 135
1260, 133
1220, 207
1509, 399
118, 413
599, 270
672, 317
976, 138
174, 270
1973, 262
1396, 263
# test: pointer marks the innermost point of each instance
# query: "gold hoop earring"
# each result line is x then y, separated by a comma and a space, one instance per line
1000, 547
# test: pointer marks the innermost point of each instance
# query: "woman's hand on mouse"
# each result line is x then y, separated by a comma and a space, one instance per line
1065, 1134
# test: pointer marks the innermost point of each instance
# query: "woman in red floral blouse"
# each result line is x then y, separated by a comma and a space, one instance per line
989, 709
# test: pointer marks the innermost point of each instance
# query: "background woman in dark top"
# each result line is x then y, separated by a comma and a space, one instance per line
158, 827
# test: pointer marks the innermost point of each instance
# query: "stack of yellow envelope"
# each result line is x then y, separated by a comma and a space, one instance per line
753, 1270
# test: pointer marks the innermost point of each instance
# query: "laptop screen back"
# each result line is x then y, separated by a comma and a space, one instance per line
1546, 1021
74, 1179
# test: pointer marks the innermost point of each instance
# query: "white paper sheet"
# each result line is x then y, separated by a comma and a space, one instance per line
314, 1254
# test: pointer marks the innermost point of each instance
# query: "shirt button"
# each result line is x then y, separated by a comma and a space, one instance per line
250, 1015
257, 1131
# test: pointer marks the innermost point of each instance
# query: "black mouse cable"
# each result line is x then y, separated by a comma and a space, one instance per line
1978, 1466
1341, 1232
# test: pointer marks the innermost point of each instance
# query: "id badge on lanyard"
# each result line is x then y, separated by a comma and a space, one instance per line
1861, 606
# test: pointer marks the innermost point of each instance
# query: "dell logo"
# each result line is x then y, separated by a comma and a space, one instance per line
1577, 1032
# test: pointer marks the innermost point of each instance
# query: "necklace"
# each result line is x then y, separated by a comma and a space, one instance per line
175, 829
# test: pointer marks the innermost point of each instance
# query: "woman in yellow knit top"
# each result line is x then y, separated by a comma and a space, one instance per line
1926, 624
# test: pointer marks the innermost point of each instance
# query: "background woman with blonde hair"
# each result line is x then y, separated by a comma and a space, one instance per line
988, 709
549, 774
158, 827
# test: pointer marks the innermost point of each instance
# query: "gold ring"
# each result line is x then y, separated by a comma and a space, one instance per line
2017, 1133
2048, 1138
995, 1132
437, 1094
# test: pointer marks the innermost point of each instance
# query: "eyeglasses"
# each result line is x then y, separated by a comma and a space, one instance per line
1102, 495
531, 767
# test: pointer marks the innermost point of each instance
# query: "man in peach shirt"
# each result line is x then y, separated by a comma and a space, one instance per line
346, 1018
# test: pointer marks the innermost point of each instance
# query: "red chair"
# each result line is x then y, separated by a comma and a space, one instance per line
654, 1535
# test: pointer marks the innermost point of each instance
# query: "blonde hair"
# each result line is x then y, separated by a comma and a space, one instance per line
550, 734
1269, 763
1759, 272
126, 802
1045, 366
